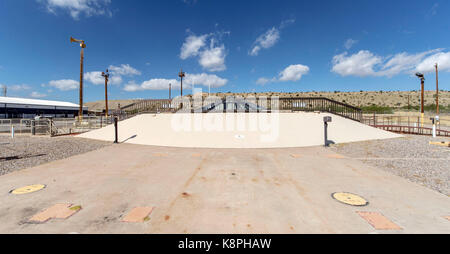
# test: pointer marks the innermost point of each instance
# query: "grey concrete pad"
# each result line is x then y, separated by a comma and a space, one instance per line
217, 191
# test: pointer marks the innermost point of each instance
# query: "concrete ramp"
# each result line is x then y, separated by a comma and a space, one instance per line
238, 130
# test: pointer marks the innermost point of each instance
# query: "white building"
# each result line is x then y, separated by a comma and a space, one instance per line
29, 108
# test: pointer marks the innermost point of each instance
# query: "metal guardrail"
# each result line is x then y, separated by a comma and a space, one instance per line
307, 104
413, 130
405, 125
24, 126
164, 105
53, 127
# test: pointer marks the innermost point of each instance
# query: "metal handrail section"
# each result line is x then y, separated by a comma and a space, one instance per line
308, 104
402, 129
148, 105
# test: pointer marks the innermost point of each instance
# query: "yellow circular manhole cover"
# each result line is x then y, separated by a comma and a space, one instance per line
350, 199
28, 189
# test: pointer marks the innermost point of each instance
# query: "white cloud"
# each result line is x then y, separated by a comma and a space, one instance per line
202, 79
365, 63
349, 43
402, 62
78, 7
192, 46
266, 40
96, 78
211, 58
152, 84
123, 70
433, 10
286, 23
19, 87
116, 73
441, 58
360, 64
190, 1
293, 72
64, 84
263, 81
35, 94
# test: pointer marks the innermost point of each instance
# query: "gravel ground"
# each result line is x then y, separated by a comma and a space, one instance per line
411, 157
27, 151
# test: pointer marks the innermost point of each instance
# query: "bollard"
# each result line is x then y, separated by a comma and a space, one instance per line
33, 128
12, 131
326, 120
434, 120
116, 131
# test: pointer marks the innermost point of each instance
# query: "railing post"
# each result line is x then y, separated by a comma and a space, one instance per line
33, 127
116, 141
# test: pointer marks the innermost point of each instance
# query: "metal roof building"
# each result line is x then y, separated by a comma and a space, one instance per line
28, 108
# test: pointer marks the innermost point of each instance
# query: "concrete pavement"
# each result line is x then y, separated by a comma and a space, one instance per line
217, 191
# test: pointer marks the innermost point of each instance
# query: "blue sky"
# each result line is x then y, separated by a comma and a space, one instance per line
239, 46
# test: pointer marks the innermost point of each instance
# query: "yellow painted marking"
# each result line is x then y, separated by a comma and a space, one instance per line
160, 154
336, 156
350, 199
440, 143
28, 189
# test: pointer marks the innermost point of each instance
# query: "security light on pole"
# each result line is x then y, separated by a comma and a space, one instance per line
170, 91
106, 76
181, 75
83, 46
422, 83
437, 90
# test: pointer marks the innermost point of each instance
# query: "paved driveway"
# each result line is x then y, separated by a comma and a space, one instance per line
218, 191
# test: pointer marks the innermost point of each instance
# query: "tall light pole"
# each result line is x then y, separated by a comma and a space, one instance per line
181, 75
437, 90
422, 83
170, 91
106, 76
83, 46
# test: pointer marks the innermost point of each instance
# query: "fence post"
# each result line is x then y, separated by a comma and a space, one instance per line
33, 127
116, 131
51, 127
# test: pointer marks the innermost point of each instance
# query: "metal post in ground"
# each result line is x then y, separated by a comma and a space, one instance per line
116, 141
422, 84
437, 90
33, 128
433, 120
326, 120
83, 46
51, 127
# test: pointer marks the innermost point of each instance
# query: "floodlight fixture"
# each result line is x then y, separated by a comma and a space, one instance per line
83, 46
106, 76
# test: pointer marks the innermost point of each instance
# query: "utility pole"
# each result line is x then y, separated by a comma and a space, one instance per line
437, 90
106, 76
4, 90
170, 91
83, 46
181, 75
422, 83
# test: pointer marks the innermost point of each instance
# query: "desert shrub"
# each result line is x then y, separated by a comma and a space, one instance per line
377, 109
